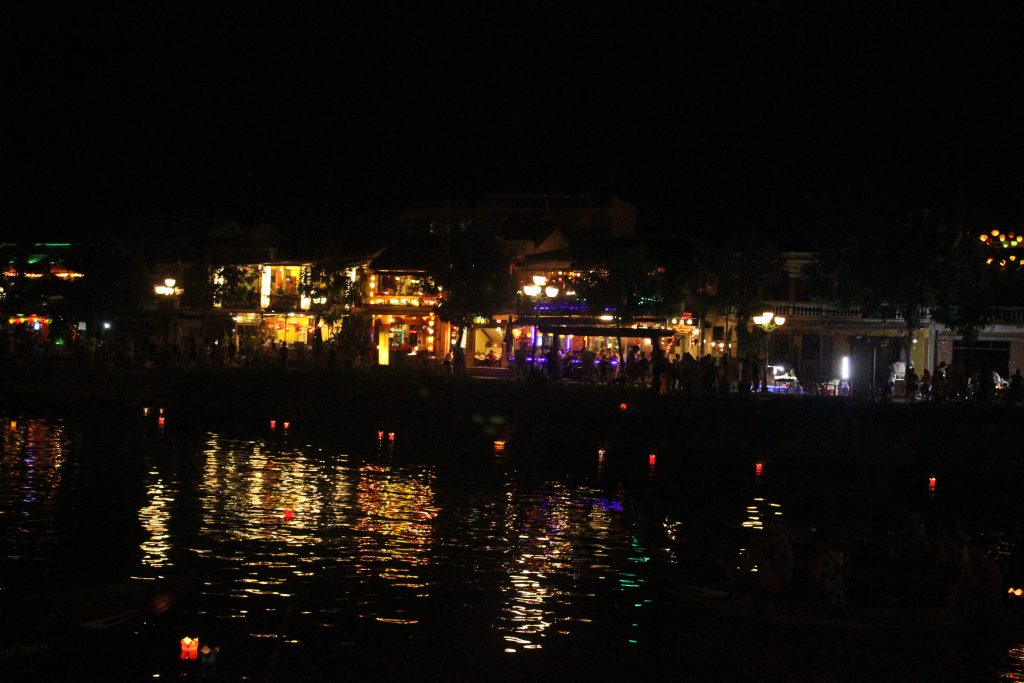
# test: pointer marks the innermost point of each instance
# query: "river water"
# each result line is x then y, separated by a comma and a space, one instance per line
375, 554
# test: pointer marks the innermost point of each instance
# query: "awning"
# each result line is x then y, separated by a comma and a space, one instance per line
597, 331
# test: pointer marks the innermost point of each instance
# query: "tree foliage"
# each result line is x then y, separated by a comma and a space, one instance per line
472, 268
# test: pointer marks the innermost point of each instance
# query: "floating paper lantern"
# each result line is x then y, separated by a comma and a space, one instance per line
289, 515
273, 425
189, 648
623, 406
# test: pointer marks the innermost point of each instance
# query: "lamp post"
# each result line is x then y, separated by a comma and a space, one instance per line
539, 290
769, 322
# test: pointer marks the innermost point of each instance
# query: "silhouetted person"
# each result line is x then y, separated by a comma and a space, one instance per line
1013, 392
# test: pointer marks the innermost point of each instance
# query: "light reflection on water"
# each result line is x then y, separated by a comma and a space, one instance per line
32, 454
311, 549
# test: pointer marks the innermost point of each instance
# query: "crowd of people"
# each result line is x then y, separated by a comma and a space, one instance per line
953, 383
937, 566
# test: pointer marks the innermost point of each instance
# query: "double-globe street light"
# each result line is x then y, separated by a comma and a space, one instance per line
769, 322
539, 291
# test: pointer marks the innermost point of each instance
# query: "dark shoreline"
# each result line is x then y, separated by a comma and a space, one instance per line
537, 412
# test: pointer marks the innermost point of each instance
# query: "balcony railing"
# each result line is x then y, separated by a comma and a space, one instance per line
284, 302
1008, 315
402, 300
250, 300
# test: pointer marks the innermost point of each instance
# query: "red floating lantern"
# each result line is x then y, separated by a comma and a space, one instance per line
189, 648
287, 425
651, 458
623, 406
931, 484
759, 468
391, 436
380, 436
289, 515
273, 425
160, 421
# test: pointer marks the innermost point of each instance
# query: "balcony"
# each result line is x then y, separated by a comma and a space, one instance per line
809, 311
402, 300
284, 302
247, 301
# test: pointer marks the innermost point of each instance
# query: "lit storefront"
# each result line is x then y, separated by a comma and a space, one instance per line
404, 323
34, 324
290, 328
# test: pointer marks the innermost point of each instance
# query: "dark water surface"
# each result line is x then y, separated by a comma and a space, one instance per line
359, 555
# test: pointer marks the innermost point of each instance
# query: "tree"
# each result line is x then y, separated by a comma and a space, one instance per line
472, 270
729, 280
972, 289
626, 286
888, 262
332, 293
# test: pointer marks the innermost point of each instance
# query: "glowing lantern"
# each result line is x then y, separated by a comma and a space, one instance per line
623, 406
145, 412
287, 425
759, 468
189, 648
600, 455
14, 425
161, 411
983, 238
651, 458
273, 425
380, 436
931, 484
391, 436
516, 333
160, 420
499, 446
289, 515
1016, 592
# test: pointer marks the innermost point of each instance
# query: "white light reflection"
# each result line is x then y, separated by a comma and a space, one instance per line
154, 518
545, 557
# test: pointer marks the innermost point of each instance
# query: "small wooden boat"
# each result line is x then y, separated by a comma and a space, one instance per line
790, 614
37, 624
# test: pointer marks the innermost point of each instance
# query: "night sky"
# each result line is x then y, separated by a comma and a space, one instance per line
720, 116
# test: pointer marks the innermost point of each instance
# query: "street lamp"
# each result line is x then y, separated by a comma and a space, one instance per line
168, 288
768, 322
540, 290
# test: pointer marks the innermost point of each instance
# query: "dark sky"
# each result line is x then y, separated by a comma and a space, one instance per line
709, 116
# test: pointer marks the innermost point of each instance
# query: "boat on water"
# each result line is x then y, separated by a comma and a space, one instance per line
43, 623
789, 614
